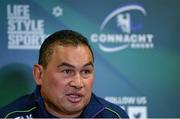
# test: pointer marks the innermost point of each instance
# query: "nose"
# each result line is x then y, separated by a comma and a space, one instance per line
77, 82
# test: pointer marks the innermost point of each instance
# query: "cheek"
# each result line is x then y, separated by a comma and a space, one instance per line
54, 81
89, 82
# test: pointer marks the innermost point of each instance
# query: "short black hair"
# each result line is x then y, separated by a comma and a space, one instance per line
63, 37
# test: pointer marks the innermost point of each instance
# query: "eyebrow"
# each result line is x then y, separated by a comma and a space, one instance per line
70, 65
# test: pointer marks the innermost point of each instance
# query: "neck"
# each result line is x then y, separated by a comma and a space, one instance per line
53, 110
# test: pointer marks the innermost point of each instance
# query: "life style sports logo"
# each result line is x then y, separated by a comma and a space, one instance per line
122, 29
23, 31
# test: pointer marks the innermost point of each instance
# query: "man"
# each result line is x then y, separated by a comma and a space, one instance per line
64, 76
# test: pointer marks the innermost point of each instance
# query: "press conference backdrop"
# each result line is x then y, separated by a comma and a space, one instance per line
136, 46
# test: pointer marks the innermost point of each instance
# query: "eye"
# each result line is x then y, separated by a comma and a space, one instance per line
86, 73
67, 71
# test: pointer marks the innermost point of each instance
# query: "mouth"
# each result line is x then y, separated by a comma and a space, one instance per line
74, 97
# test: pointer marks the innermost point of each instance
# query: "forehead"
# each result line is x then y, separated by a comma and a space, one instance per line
71, 48
74, 54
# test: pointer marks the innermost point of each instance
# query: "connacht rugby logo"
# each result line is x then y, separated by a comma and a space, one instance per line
122, 29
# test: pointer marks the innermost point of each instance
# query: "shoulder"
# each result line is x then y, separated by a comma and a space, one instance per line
23, 104
111, 110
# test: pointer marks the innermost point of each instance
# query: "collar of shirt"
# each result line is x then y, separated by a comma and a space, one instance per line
91, 110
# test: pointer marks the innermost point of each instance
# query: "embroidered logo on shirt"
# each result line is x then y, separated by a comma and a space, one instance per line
26, 117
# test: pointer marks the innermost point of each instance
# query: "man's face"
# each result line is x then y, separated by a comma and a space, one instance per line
68, 80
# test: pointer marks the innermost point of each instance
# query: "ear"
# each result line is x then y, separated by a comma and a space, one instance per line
38, 74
